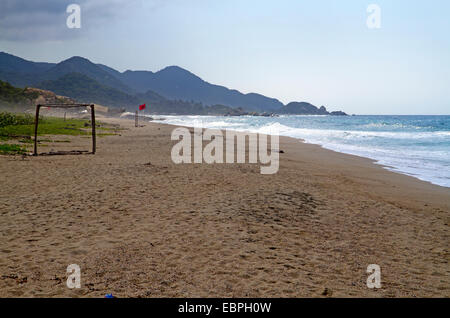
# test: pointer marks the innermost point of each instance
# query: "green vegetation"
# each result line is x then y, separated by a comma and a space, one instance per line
10, 119
13, 95
47, 126
20, 128
84, 89
11, 149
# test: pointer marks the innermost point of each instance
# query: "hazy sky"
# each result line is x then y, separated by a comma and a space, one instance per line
317, 51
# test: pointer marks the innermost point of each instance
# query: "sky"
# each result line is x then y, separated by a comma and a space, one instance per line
322, 51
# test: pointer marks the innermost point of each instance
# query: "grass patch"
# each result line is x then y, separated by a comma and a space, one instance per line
48, 126
20, 128
105, 134
21, 125
12, 149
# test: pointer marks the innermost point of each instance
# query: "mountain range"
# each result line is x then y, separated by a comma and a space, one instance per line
170, 90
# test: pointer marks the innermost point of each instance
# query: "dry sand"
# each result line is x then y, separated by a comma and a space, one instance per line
139, 225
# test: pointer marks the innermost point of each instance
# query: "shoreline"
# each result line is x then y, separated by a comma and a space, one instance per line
141, 226
386, 167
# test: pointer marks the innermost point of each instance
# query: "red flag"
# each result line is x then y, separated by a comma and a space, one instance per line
142, 107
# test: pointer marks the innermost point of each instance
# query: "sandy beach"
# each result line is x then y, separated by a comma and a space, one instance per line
139, 225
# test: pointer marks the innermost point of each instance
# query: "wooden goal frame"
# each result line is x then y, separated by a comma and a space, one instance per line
36, 122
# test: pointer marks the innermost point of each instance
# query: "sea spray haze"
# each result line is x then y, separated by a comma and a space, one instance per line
414, 145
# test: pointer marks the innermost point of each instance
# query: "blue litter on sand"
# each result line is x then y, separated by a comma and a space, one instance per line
109, 296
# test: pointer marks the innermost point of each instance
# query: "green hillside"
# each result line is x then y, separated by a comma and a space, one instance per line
84, 89
13, 95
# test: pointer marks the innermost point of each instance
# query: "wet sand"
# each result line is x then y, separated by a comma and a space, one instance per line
139, 225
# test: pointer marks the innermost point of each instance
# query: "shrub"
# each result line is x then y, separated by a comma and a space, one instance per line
10, 119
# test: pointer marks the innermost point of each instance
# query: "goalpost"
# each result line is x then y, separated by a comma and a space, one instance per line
36, 122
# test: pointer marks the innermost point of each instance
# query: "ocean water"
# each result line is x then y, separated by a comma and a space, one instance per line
418, 146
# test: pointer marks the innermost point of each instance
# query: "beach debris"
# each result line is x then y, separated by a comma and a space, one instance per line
22, 280
57, 279
109, 296
19, 280
327, 292
62, 153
